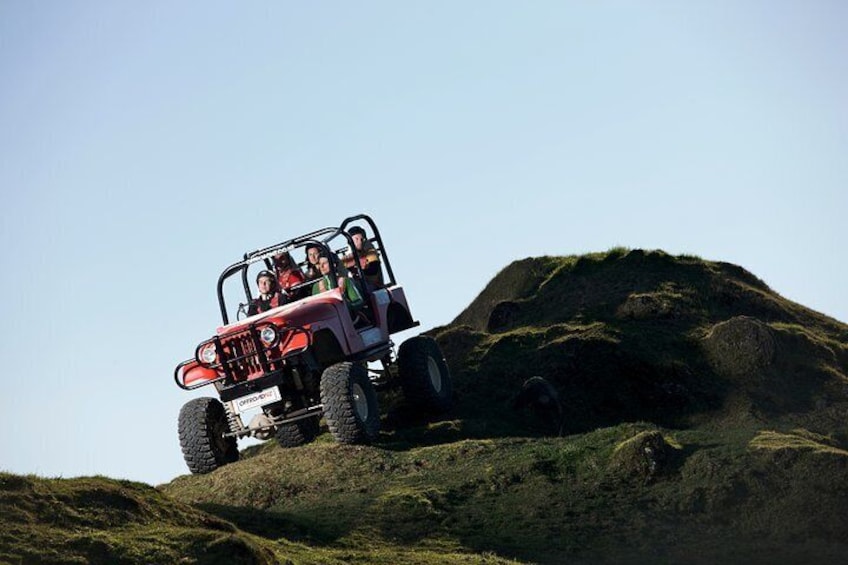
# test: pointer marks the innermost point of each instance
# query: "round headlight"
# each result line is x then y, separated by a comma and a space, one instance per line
208, 355
268, 335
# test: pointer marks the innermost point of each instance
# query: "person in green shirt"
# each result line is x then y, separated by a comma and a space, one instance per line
327, 281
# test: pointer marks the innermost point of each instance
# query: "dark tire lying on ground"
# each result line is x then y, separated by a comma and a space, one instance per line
202, 425
424, 374
350, 403
297, 433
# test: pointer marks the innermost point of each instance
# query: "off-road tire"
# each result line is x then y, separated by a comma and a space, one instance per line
424, 375
202, 425
350, 403
297, 433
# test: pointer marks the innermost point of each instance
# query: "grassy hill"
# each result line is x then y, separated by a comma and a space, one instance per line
101, 520
627, 336
701, 419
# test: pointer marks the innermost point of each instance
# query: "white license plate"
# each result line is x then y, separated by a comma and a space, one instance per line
256, 399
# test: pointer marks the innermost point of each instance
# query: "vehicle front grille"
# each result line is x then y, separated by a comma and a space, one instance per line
241, 356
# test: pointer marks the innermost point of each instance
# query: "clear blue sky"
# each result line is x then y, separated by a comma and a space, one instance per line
145, 145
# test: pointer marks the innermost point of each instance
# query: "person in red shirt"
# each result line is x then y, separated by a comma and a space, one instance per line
288, 274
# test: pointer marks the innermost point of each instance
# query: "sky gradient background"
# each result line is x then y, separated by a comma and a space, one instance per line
144, 146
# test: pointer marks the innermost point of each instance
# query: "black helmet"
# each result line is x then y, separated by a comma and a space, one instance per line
268, 274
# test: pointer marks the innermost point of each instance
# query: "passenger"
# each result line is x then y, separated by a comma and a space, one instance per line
369, 260
328, 281
313, 252
288, 274
269, 297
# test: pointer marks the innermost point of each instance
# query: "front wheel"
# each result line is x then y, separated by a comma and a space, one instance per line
350, 403
202, 426
424, 374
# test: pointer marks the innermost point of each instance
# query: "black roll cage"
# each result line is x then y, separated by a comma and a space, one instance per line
319, 237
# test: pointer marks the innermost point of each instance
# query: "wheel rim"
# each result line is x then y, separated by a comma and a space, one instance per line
360, 402
218, 431
435, 374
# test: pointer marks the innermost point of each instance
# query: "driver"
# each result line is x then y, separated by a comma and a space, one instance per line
269, 297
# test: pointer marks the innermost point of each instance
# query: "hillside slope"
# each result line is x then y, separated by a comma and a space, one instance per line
101, 520
628, 336
701, 418
632, 493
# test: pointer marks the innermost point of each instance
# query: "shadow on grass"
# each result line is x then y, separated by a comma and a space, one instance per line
273, 525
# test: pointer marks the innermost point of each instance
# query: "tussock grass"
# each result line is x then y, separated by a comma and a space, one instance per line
798, 439
100, 520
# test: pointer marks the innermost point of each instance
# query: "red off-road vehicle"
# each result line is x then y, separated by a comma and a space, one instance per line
278, 372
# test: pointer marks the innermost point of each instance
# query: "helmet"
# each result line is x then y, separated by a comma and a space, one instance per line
268, 274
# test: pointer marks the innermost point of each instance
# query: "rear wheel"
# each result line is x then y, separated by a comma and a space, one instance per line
202, 425
424, 374
297, 433
350, 403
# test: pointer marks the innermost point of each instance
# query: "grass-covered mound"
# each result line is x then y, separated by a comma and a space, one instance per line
97, 520
101, 520
632, 493
633, 335
700, 417
690, 414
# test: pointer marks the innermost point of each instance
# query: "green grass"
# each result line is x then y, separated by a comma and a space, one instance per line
619, 334
101, 520
548, 499
661, 457
797, 440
